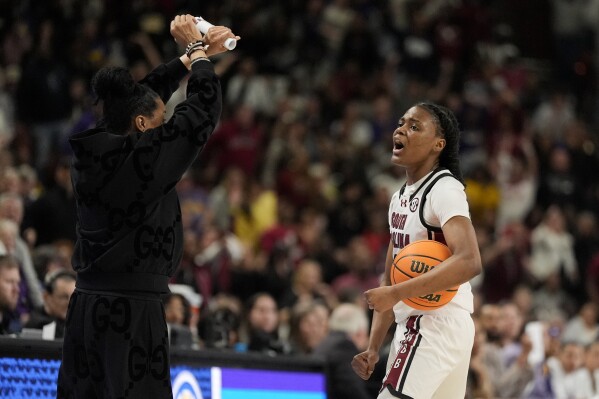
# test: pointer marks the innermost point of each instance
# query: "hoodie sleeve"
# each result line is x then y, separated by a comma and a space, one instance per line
165, 78
161, 156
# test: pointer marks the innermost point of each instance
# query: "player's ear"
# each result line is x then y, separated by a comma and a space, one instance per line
140, 123
440, 144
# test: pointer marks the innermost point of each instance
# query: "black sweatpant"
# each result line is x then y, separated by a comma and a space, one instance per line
115, 347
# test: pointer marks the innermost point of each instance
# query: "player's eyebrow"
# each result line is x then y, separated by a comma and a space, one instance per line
413, 120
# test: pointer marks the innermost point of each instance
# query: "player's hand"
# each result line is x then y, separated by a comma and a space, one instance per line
216, 37
183, 29
363, 363
381, 299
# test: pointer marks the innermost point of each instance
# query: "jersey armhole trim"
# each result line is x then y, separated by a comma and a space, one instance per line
424, 194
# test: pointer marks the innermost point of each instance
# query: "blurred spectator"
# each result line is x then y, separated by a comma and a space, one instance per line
359, 46
511, 324
9, 295
352, 129
219, 325
382, 119
517, 179
348, 217
552, 249
512, 381
256, 213
52, 216
237, 142
58, 287
571, 40
176, 309
592, 279
523, 299
559, 184
586, 244
550, 301
360, 271
30, 185
483, 194
417, 46
309, 326
506, 262
281, 247
212, 267
247, 88
567, 374
261, 325
336, 20
489, 319
306, 286
10, 181
550, 119
583, 328
347, 337
177, 312
479, 383
11, 208
29, 288
227, 195
49, 258
591, 365
43, 98
195, 210
295, 179
580, 141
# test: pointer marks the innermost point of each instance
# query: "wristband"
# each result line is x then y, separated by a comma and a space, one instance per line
192, 47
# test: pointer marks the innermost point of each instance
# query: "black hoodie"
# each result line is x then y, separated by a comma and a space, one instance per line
129, 233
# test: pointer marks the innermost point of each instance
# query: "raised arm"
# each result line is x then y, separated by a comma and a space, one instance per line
165, 78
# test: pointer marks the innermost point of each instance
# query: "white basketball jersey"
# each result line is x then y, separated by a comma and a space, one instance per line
417, 212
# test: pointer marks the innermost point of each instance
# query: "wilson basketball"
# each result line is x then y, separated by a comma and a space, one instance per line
416, 259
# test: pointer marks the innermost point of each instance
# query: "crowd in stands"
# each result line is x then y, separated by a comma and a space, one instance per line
285, 211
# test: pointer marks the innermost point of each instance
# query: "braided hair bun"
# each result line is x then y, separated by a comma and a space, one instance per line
122, 98
113, 82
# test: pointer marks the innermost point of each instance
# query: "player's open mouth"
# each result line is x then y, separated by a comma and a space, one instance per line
397, 146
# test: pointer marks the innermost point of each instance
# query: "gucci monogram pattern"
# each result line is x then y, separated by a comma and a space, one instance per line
118, 348
129, 238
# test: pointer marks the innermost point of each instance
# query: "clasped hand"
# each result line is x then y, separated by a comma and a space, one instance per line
381, 299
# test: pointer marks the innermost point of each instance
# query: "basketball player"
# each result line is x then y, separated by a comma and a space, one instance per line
129, 229
430, 351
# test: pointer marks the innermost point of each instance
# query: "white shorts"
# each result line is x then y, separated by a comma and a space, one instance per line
429, 358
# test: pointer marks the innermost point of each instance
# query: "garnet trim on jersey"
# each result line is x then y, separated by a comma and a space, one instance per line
434, 233
405, 355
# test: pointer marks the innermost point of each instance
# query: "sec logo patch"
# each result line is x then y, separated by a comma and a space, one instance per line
414, 204
186, 386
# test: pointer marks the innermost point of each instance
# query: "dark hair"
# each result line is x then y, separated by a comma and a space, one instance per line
450, 130
251, 301
8, 262
52, 277
167, 299
123, 98
218, 327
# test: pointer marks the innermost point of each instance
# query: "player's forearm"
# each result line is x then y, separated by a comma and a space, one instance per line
380, 325
452, 272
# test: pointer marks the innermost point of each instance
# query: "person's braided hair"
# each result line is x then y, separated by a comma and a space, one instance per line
448, 128
123, 99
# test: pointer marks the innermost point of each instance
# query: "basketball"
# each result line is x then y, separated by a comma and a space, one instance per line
416, 259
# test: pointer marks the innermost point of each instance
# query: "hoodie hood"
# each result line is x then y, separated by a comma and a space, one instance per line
97, 154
